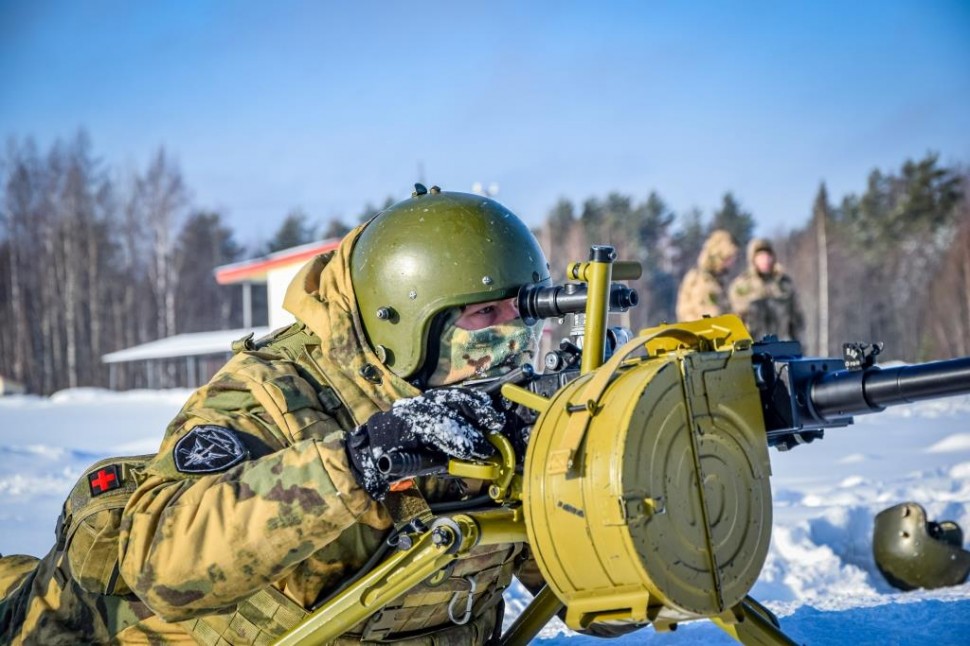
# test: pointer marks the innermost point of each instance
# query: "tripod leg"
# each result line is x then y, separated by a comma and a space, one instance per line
536, 615
755, 625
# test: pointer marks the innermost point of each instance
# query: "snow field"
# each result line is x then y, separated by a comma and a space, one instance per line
819, 576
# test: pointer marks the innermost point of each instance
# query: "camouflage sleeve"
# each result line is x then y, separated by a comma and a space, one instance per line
739, 296
527, 572
199, 541
700, 295
686, 308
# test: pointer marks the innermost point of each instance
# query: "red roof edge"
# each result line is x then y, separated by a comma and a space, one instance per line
256, 268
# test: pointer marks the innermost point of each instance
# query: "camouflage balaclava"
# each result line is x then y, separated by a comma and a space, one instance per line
489, 352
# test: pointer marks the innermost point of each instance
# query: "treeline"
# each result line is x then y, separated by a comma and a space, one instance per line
94, 259
650, 232
890, 265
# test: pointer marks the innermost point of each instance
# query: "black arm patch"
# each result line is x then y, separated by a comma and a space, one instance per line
209, 449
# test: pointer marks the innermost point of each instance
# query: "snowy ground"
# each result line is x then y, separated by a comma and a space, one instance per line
819, 577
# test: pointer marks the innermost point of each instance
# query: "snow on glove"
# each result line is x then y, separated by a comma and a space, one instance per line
448, 422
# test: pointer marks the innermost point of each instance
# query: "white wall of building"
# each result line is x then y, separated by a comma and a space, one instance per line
277, 280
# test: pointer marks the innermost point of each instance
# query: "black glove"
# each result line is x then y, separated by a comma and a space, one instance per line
443, 423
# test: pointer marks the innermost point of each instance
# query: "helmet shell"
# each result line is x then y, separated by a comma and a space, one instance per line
431, 252
912, 552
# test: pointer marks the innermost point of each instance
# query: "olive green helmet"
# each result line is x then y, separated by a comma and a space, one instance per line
432, 252
912, 552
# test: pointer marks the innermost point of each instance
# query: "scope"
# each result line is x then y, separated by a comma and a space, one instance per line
543, 302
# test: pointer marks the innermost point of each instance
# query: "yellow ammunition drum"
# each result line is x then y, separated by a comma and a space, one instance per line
647, 491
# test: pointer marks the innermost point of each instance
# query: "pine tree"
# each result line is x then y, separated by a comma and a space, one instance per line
733, 219
336, 229
295, 230
204, 243
561, 220
688, 241
657, 286
592, 219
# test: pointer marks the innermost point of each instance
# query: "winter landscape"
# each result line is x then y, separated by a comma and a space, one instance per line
819, 578
167, 167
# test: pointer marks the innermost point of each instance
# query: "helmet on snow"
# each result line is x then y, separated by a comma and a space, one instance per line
435, 251
912, 552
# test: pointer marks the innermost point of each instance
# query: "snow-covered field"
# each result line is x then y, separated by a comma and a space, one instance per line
819, 578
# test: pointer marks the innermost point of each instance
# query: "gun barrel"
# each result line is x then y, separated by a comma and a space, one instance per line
856, 392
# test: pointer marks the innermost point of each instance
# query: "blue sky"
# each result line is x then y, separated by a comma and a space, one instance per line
326, 106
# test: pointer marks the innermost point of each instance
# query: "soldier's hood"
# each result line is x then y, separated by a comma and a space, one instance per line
718, 246
762, 244
321, 296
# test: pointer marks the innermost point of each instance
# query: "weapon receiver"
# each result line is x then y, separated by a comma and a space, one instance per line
643, 489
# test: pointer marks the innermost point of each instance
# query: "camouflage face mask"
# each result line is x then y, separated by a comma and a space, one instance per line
488, 352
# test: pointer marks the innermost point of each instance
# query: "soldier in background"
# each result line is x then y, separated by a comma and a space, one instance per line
702, 290
764, 295
264, 496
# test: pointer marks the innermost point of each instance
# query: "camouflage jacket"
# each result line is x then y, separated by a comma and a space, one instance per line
767, 303
701, 294
251, 495
702, 290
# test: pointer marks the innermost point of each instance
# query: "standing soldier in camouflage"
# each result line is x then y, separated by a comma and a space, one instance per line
764, 295
264, 496
702, 290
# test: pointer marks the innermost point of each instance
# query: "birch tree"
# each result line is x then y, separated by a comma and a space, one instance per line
162, 196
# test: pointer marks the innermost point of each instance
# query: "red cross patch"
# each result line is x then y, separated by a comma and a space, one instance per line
104, 479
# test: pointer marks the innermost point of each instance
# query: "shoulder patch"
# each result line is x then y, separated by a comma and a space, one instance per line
104, 479
209, 449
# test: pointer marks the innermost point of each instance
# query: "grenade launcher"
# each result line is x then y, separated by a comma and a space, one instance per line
643, 487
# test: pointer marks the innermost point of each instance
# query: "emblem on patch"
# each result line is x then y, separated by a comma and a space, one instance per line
104, 479
208, 449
